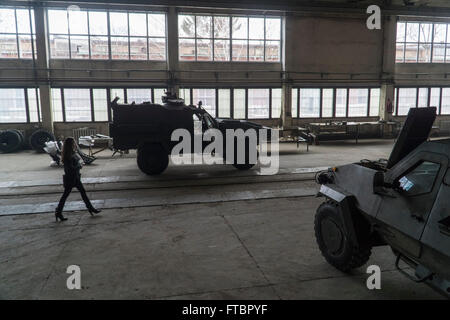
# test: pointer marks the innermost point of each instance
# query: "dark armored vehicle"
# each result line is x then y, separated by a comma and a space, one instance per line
148, 128
403, 202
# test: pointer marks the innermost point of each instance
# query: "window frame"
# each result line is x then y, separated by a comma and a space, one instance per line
230, 38
428, 87
109, 35
191, 101
431, 43
17, 34
27, 105
334, 101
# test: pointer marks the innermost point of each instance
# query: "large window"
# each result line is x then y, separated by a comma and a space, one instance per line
406, 98
229, 38
17, 34
241, 103
87, 34
91, 104
19, 105
423, 42
335, 102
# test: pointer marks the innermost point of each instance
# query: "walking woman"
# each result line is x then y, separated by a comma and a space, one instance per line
72, 178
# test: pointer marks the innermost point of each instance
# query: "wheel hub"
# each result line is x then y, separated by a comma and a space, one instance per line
332, 236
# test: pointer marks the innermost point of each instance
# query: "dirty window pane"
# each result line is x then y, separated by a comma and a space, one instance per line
221, 50
256, 28
203, 26
33, 104
158, 93
157, 25
99, 48
98, 23
221, 27
119, 48
116, 92
374, 102
239, 27
440, 31
258, 103
412, 32
239, 104
208, 99
435, 96
224, 103
309, 103
401, 31
425, 32
57, 20
341, 102
273, 50
57, 105
118, 23
327, 103
157, 48
7, 21
256, 50
59, 46
23, 21
100, 104
358, 102
78, 22
420, 180
139, 95
12, 105
77, 103
239, 51
8, 46
423, 97
204, 50
186, 26
79, 47
273, 28
138, 24
294, 106
138, 48
445, 103
406, 100
187, 49
186, 95
276, 103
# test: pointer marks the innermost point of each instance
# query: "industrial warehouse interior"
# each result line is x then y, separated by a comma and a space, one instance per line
225, 150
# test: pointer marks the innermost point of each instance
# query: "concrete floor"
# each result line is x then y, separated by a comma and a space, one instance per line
195, 232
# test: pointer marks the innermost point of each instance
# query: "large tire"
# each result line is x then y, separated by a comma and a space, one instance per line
10, 141
334, 242
39, 138
152, 158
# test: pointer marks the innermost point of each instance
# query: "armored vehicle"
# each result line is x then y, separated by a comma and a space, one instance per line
402, 202
148, 128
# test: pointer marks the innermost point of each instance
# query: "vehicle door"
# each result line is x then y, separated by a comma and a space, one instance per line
416, 182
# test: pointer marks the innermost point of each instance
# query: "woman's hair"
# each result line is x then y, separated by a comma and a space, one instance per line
68, 149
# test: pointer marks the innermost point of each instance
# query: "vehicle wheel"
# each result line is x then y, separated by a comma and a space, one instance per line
152, 158
10, 141
39, 138
334, 242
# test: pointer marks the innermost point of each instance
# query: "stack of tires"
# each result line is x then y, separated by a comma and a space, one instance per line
13, 140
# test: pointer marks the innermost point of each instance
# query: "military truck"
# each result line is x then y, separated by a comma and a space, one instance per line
402, 202
148, 127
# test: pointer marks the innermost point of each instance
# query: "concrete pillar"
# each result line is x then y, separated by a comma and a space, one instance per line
386, 96
387, 88
172, 47
286, 105
42, 65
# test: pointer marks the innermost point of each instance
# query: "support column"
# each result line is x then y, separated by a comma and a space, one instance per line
172, 42
42, 65
286, 105
387, 88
